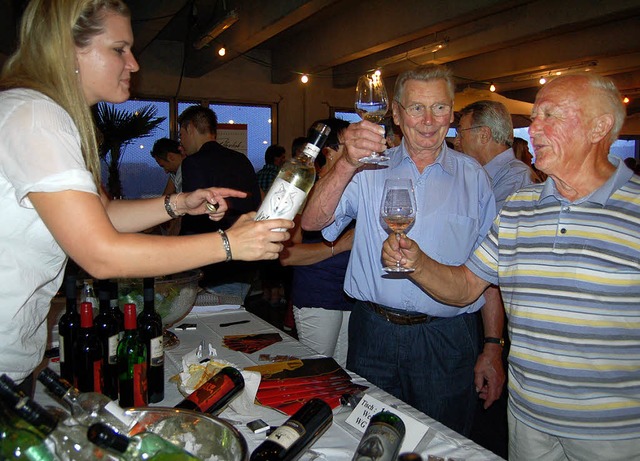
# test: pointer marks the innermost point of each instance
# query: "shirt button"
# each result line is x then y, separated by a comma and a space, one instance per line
563, 231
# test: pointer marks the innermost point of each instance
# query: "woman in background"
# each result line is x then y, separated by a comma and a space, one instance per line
321, 308
71, 55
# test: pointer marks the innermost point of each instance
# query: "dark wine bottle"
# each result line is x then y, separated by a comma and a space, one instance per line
382, 439
68, 328
114, 303
142, 446
150, 328
88, 353
410, 457
297, 434
132, 363
214, 395
107, 329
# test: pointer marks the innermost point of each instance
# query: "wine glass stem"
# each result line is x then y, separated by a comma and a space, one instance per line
398, 236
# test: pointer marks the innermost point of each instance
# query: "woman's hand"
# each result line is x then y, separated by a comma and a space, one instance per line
252, 240
210, 201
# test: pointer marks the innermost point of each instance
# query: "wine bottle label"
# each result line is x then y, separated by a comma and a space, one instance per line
97, 376
140, 388
211, 392
282, 201
287, 434
113, 408
112, 353
156, 353
61, 347
380, 441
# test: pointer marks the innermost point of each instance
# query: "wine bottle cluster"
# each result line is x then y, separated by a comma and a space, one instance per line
118, 354
92, 428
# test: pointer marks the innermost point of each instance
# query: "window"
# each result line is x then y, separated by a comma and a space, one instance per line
139, 173
258, 120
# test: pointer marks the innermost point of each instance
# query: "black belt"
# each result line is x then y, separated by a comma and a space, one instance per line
398, 318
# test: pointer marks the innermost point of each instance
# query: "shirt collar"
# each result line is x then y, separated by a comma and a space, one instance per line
401, 154
495, 165
599, 196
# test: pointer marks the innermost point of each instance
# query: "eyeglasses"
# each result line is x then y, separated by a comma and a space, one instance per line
460, 130
418, 110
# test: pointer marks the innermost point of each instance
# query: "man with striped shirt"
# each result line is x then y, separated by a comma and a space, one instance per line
566, 255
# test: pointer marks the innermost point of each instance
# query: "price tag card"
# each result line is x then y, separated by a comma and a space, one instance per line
369, 406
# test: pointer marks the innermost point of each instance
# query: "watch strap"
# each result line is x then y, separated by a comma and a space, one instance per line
492, 340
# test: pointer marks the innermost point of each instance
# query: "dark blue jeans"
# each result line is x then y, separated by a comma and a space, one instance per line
429, 366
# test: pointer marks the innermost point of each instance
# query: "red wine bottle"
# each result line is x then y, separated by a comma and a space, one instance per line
132, 363
88, 353
107, 328
150, 328
68, 328
214, 395
297, 434
115, 306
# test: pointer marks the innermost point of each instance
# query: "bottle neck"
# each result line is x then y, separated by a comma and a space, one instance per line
86, 315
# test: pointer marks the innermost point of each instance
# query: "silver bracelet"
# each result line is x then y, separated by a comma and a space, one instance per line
167, 206
226, 245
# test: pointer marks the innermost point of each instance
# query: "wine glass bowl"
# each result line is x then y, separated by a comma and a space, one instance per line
372, 104
398, 211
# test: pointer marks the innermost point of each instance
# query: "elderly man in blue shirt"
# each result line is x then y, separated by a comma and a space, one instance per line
402, 340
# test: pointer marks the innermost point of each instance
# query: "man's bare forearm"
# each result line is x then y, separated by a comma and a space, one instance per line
325, 195
454, 285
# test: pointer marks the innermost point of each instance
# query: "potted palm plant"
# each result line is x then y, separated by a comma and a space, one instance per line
118, 128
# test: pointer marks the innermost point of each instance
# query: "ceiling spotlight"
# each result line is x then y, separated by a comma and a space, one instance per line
492, 88
304, 78
542, 80
222, 51
626, 100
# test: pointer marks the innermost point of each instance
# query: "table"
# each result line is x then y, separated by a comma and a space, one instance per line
340, 440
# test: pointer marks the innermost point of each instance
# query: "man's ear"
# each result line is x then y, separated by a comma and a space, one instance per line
601, 126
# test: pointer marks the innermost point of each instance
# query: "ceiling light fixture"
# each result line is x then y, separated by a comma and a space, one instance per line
219, 27
625, 100
414, 54
492, 88
304, 78
222, 51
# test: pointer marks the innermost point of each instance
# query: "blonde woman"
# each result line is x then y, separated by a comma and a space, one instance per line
71, 55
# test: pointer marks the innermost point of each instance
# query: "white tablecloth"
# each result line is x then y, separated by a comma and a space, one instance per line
340, 441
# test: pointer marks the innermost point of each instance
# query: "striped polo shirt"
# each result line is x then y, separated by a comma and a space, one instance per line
569, 273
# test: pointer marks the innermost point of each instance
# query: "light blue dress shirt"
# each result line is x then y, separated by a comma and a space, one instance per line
455, 208
508, 174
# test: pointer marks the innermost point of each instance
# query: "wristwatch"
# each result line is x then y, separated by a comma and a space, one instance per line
491, 340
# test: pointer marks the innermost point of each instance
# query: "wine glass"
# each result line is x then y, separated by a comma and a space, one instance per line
372, 104
398, 210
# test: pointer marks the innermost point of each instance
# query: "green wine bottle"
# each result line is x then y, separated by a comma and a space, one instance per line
132, 363
382, 439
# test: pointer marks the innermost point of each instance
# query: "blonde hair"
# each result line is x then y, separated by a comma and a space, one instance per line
45, 60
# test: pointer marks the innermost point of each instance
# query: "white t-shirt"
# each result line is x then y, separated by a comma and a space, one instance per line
39, 152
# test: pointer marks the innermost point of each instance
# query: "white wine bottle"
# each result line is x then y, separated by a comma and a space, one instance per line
382, 439
295, 179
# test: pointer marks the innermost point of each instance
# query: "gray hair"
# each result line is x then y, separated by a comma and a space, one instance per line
494, 115
426, 74
606, 91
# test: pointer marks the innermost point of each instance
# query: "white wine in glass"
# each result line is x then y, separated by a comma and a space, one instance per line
398, 210
372, 104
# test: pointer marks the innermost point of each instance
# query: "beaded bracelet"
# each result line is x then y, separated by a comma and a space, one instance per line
226, 245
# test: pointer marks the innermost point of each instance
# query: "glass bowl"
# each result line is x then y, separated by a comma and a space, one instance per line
204, 436
175, 295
